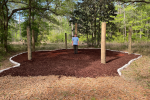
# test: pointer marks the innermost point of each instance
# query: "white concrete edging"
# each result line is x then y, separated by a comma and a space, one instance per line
16, 63
118, 70
125, 66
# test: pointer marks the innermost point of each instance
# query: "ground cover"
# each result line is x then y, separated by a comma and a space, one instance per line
86, 63
133, 84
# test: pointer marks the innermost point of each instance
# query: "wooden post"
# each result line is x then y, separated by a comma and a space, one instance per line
29, 43
66, 40
130, 41
75, 28
103, 43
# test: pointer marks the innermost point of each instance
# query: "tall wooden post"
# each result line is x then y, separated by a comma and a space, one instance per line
75, 28
103, 43
130, 41
29, 43
66, 40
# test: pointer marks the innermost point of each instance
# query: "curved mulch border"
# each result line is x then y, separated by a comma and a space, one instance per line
126, 65
93, 69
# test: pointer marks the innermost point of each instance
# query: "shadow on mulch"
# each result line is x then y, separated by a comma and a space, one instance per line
87, 63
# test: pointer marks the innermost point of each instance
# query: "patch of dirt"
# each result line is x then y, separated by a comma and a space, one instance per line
86, 63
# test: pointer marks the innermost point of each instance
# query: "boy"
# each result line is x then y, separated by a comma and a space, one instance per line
75, 43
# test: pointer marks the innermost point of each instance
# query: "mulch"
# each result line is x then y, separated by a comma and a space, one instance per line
87, 63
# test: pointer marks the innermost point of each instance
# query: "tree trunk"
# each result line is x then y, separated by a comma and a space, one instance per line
33, 36
92, 34
33, 41
6, 29
87, 40
20, 28
76, 28
72, 24
92, 38
5, 39
141, 30
95, 24
87, 30
147, 29
2, 31
87, 35
98, 42
36, 34
29, 15
124, 22
2, 39
29, 35
72, 28
16, 31
140, 33
123, 35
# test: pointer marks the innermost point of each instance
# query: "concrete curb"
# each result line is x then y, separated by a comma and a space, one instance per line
118, 70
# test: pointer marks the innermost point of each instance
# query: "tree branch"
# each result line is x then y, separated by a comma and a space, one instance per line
4, 3
15, 10
18, 2
140, 1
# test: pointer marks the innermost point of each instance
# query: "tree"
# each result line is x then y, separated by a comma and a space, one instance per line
89, 14
135, 1
4, 5
135, 16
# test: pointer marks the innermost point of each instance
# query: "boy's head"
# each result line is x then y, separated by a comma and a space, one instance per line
75, 35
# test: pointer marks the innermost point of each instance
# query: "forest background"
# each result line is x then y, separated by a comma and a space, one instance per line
49, 20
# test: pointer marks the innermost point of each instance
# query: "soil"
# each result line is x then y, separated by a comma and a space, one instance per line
87, 63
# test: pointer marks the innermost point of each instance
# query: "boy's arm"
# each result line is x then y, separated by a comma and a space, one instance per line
78, 42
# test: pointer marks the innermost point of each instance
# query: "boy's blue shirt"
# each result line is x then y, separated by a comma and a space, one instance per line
75, 40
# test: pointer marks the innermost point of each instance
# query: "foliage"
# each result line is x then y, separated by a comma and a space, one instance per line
89, 15
51, 20
27, 8
137, 17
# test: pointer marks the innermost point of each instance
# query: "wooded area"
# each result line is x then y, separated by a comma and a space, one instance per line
49, 20
40, 33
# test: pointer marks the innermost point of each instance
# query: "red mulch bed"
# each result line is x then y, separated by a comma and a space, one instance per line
87, 63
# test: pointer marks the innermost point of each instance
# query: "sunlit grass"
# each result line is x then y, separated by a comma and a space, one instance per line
139, 71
